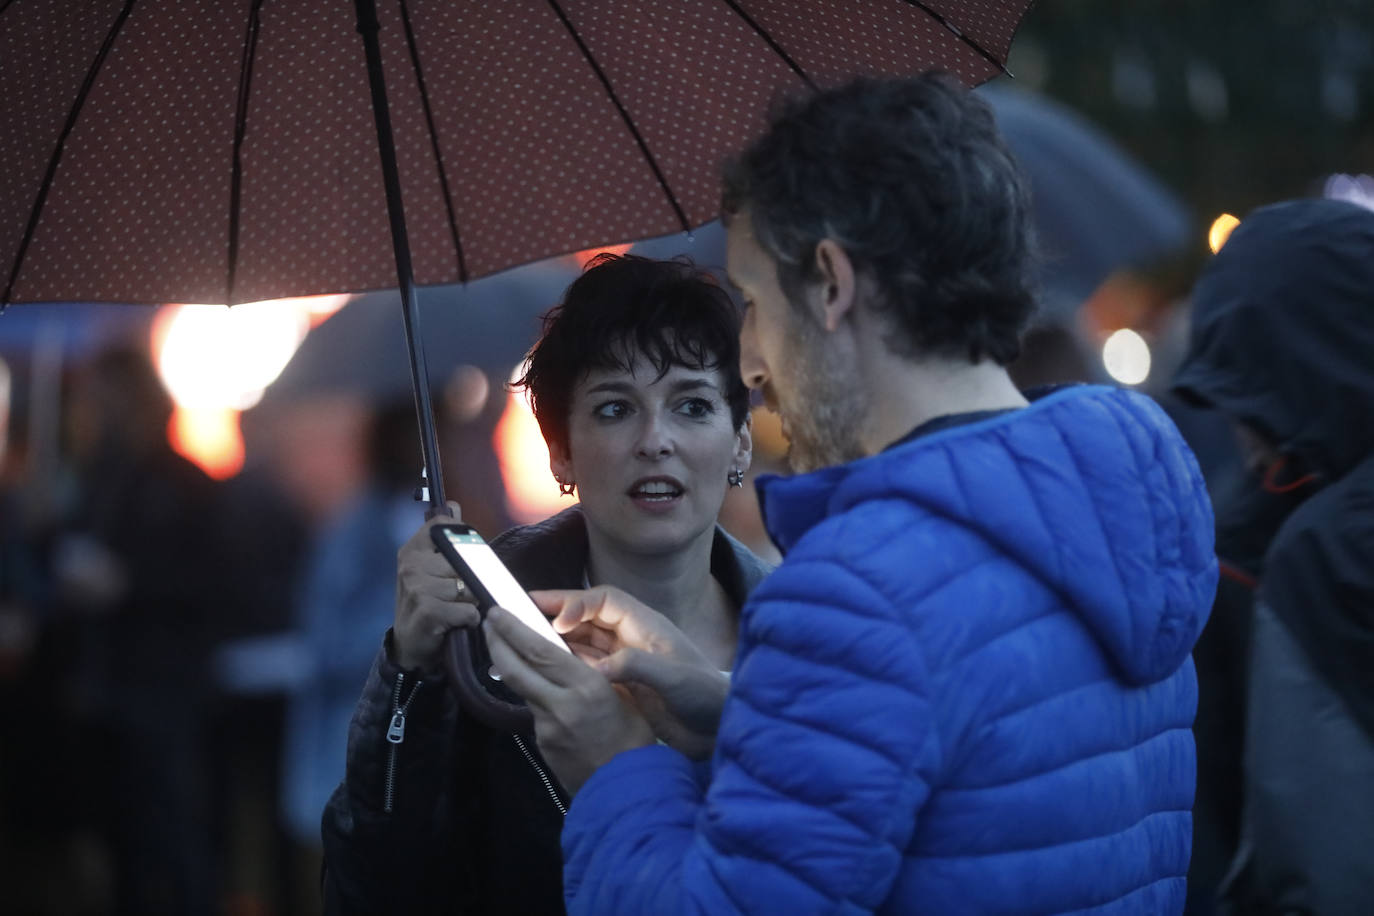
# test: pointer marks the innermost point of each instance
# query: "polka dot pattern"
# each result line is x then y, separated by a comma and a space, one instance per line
833, 41
537, 155
989, 23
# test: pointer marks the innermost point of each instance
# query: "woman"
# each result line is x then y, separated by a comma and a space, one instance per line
636, 387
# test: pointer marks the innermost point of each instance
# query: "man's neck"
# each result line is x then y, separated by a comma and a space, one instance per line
909, 393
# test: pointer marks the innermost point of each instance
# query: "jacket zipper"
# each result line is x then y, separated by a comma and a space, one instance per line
396, 733
544, 777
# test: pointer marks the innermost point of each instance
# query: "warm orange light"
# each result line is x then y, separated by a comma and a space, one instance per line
321, 307
210, 437
585, 255
1221, 231
531, 491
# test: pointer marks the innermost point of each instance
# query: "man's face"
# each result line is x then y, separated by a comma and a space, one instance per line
788, 356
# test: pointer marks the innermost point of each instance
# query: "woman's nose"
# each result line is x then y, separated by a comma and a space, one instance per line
655, 439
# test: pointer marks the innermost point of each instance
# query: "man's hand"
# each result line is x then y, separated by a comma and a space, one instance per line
675, 686
581, 721
430, 599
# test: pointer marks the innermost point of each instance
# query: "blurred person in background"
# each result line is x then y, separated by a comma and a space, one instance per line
266, 534
636, 388
40, 846
140, 573
346, 598
1283, 345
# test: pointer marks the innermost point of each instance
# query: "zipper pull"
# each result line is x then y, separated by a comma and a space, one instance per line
397, 732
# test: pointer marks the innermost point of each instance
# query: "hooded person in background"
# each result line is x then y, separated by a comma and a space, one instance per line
1283, 344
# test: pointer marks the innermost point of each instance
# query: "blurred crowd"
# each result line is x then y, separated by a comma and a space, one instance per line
162, 634
180, 656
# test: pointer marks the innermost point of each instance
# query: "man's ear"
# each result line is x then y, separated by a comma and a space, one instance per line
744, 443
839, 285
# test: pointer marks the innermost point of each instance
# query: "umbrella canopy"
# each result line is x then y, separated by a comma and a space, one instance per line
223, 151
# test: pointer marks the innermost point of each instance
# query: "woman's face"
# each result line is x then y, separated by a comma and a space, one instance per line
650, 456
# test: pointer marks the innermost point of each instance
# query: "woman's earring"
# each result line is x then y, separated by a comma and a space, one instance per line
735, 477
565, 488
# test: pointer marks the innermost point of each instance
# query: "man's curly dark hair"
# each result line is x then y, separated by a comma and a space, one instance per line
911, 177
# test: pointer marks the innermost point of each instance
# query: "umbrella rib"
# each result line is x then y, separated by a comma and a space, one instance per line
624, 114
959, 34
36, 213
250, 47
772, 43
434, 140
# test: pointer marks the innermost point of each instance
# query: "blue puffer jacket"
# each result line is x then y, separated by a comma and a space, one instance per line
966, 690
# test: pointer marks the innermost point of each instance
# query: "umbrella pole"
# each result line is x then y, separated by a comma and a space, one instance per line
369, 27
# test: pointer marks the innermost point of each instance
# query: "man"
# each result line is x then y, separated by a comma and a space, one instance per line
967, 688
1283, 332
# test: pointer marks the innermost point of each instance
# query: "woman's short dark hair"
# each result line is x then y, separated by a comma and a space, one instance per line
912, 179
669, 312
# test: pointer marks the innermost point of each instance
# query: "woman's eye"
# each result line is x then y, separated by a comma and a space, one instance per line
611, 410
697, 407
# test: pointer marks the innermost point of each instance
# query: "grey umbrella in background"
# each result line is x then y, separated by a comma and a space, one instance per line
361, 348
1097, 210
488, 323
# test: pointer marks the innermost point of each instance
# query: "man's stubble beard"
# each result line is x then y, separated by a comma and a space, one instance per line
825, 407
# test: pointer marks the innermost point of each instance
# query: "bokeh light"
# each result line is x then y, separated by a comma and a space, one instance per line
1126, 357
216, 361
210, 437
1221, 230
215, 356
531, 492
586, 254
5, 396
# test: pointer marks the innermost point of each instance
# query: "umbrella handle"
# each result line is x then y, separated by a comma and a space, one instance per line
463, 656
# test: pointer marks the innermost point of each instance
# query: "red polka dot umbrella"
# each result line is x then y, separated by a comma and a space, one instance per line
225, 151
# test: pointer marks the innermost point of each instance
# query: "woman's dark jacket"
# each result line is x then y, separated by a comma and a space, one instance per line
1283, 341
474, 815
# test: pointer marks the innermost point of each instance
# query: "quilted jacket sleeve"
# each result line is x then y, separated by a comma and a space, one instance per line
823, 760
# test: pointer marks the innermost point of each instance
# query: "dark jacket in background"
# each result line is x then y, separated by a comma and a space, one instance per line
1283, 341
475, 815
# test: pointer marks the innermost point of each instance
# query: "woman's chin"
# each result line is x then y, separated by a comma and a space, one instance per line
662, 532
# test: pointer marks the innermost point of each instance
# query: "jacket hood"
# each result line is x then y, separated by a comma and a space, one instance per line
1283, 331
1091, 490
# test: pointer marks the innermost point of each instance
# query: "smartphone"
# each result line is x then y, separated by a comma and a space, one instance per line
488, 579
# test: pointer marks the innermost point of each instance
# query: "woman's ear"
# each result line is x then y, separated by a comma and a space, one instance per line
561, 463
837, 280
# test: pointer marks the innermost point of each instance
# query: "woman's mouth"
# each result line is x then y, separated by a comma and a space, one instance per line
656, 492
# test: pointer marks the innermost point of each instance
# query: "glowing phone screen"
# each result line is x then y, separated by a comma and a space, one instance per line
500, 584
